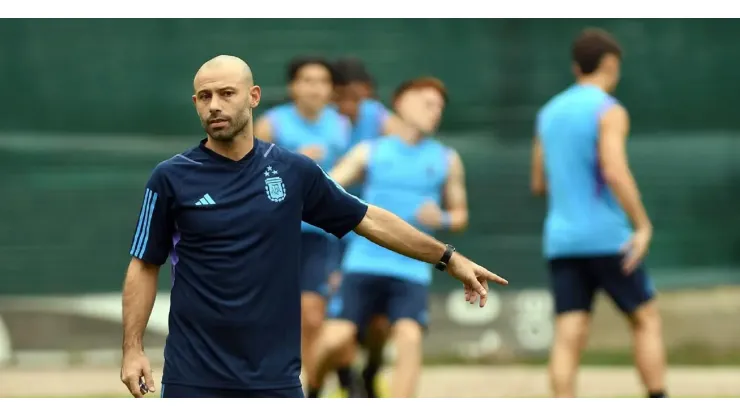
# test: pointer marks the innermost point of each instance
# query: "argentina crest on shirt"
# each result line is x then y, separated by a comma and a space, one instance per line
274, 186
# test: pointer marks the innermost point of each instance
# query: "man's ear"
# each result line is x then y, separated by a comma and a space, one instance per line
255, 95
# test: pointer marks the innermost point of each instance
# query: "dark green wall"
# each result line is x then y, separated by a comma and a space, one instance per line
134, 76
72, 182
68, 214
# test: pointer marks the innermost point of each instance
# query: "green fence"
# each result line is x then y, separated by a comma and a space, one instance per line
91, 106
71, 208
135, 76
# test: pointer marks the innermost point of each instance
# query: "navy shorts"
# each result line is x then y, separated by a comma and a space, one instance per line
338, 247
575, 281
171, 391
317, 251
362, 296
341, 249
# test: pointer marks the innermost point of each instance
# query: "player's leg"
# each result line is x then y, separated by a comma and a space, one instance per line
345, 373
335, 335
573, 290
349, 311
407, 312
348, 381
635, 296
649, 348
378, 333
315, 250
348, 386
372, 338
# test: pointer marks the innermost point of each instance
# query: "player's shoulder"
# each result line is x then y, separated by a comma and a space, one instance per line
371, 105
448, 152
387, 141
447, 155
558, 98
611, 102
178, 166
189, 159
278, 111
332, 114
612, 110
577, 96
433, 143
284, 157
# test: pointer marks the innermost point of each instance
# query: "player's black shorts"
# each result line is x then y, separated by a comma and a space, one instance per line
317, 254
362, 296
575, 280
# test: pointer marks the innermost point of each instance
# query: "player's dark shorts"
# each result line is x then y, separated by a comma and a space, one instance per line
339, 246
575, 281
171, 391
317, 252
362, 296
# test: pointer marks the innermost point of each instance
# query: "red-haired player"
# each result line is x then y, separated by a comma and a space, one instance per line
420, 180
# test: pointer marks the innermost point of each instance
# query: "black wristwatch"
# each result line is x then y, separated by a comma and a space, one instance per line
442, 263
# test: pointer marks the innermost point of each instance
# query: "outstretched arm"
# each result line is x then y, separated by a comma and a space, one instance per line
388, 230
327, 205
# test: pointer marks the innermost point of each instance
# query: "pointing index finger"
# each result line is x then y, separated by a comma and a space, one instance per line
494, 277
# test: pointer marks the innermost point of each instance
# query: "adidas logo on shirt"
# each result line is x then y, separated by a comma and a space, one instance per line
206, 200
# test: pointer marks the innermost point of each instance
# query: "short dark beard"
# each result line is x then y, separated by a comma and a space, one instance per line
225, 136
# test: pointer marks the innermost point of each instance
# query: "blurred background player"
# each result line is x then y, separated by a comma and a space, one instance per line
579, 160
355, 97
411, 175
309, 125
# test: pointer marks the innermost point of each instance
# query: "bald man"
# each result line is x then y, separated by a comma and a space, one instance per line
228, 213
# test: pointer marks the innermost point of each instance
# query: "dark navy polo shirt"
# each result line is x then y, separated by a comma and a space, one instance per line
232, 231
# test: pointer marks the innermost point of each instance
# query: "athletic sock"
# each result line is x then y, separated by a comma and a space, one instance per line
345, 377
660, 394
368, 377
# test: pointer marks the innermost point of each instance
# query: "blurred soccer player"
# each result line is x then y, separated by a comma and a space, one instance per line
228, 213
355, 98
309, 125
411, 176
579, 160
